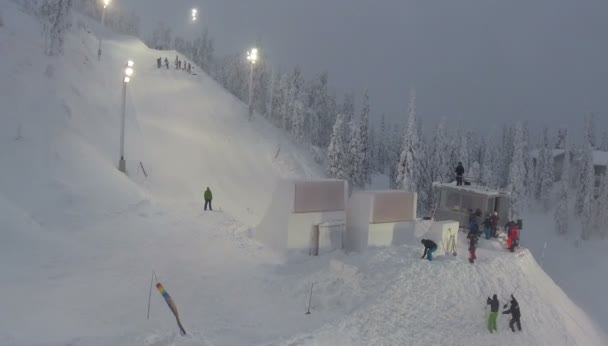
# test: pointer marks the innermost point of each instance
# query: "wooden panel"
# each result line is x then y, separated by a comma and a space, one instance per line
319, 196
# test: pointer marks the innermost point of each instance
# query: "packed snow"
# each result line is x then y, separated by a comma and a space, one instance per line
80, 240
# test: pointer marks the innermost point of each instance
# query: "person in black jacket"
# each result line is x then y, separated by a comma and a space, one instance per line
494, 306
459, 174
515, 314
473, 247
429, 248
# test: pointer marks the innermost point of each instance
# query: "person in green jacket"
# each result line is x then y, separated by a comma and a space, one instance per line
208, 197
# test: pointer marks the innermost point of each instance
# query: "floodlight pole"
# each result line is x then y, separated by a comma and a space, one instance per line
103, 23
251, 90
122, 164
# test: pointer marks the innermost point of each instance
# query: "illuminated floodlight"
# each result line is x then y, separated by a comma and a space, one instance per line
128, 72
127, 79
194, 14
252, 55
106, 3
130, 63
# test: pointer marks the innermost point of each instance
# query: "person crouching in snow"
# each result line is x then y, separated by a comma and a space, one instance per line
513, 240
472, 247
494, 306
208, 197
429, 248
515, 314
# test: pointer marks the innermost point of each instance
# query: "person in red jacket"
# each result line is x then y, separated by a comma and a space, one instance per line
513, 240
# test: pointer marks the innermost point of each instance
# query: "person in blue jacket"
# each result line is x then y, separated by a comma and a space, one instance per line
429, 248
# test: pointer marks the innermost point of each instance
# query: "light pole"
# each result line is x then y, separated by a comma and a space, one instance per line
252, 56
128, 72
194, 14
103, 23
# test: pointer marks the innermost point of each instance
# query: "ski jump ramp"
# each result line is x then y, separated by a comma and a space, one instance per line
305, 215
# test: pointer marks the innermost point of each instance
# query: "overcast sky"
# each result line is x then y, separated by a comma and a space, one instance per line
480, 63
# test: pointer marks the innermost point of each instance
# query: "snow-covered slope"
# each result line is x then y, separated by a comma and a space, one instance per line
80, 239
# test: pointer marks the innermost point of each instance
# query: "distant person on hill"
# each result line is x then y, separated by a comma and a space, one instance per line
167, 63
159, 62
494, 306
208, 197
176, 62
459, 174
473, 247
189, 69
429, 248
515, 314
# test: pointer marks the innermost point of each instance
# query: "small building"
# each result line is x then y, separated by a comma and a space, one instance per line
454, 202
380, 218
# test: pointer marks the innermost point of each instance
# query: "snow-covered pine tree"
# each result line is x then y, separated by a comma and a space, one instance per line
590, 130
365, 143
463, 149
56, 18
474, 173
356, 178
440, 167
562, 211
393, 152
604, 143
546, 172
585, 191
406, 178
562, 134
601, 208
336, 151
382, 145
486, 176
517, 174
297, 128
506, 155
348, 106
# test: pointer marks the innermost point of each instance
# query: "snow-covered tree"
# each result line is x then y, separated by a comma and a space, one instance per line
545, 172
517, 174
562, 211
562, 134
356, 178
336, 151
407, 178
584, 193
382, 146
604, 143
56, 18
348, 106
486, 175
506, 155
590, 130
601, 208
440, 165
161, 37
474, 172
463, 149
365, 145
393, 154
297, 128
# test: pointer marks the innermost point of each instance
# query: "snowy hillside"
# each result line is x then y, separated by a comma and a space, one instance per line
80, 239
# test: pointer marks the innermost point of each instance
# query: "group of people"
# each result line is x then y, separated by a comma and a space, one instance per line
513, 310
490, 230
179, 64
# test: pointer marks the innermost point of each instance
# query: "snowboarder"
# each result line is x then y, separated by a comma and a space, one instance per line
473, 247
494, 219
167, 63
459, 174
513, 239
487, 227
159, 62
429, 248
208, 197
515, 314
494, 306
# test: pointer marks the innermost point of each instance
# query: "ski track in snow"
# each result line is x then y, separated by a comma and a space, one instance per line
80, 240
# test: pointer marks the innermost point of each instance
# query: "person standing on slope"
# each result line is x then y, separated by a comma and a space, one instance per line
494, 306
513, 238
459, 174
487, 228
167, 63
494, 219
429, 248
473, 247
515, 314
208, 197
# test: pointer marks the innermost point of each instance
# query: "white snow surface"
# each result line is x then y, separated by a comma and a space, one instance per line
80, 239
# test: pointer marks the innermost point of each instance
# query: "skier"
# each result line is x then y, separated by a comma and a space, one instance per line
429, 248
515, 314
208, 197
176, 62
473, 247
167, 63
513, 240
494, 306
494, 219
487, 227
159, 62
459, 174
